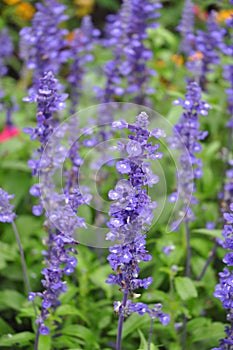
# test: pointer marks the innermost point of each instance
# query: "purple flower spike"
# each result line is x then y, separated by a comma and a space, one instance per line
6, 50
187, 136
186, 28
130, 214
44, 42
127, 73
6, 209
81, 47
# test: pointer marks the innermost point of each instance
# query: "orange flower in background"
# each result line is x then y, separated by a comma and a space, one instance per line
25, 11
85, 7
196, 56
223, 15
70, 36
178, 59
160, 64
11, 2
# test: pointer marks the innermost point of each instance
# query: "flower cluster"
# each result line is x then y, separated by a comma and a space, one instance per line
227, 49
224, 290
206, 45
6, 209
187, 136
59, 261
81, 47
127, 33
186, 28
45, 41
48, 101
6, 50
132, 212
61, 245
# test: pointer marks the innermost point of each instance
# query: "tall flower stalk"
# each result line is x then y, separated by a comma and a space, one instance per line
224, 289
205, 53
81, 47
61, 221
45, 40
186, 28
8, 215
127, 72
188, 133
130, 215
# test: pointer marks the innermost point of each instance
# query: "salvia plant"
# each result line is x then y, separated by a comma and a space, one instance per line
116, 220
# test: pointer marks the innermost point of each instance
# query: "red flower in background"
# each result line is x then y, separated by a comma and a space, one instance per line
8, 132
199, 13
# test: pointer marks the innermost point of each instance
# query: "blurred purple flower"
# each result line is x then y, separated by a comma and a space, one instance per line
81, 47
186, 28
127, 72
224, 289
45, 41
6, 209
6, 50
187, 136
168, 249
210, 225
206, 44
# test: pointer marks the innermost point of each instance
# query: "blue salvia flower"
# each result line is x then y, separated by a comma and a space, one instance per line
228, 75
48, 102
59, 258
46, 44
60, 261
6, 209
6, 50
81, 48
128, 71
188, 136
130, 215
224, 289
186, 28
227, 49
206, 44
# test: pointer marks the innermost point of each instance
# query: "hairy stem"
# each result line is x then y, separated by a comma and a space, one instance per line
187, 274
227, 156
188, 256
208, 261
150, 333
23, 262
184, 333
37, 339
121, 320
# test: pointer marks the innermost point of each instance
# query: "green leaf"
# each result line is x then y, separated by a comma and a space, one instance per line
5, 327
19, 340
144, 343
16, 165
44, 342
212, 233
99, 276
11, 299
65, 310
6, 254
80, 332
185, 288
132, 323
212, 330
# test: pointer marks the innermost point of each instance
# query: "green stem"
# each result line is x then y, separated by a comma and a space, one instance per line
23, 262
